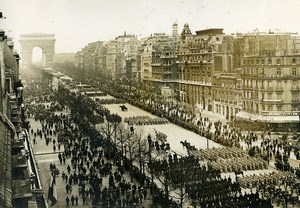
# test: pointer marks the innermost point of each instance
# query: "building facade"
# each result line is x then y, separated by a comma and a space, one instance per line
15, 186
196, 63
270, 78
252, 76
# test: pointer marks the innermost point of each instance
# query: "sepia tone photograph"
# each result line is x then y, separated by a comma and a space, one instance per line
149, 104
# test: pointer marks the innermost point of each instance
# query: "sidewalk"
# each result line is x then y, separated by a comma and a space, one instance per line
45, 155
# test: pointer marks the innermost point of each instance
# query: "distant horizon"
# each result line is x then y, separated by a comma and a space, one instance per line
77, 23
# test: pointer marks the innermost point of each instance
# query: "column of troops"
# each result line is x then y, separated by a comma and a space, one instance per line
145, 120
228, 159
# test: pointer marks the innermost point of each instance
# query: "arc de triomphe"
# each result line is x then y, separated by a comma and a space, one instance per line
42, 40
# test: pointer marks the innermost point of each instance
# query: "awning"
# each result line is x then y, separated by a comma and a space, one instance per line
267, 118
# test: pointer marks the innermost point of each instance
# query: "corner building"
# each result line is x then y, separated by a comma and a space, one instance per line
198, 57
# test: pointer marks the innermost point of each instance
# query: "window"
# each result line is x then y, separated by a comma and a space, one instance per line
295, 97
294, 60
278, 72
294, 72
262, 61
279, 84
278, 61
270, 107
279, 108
269, 96
269, 83
269, 61
7, 85
279, 96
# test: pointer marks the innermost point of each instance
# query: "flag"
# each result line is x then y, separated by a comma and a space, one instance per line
52, 193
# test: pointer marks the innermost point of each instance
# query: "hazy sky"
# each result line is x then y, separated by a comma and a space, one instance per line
78, 22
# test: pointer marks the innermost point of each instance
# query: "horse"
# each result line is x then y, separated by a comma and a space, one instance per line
123, 107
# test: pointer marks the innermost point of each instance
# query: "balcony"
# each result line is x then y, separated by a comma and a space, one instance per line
22, 189
17, 146
279, 89
269, 88
271, 101
19, 161
295, 101
295, 89
167, 72
247, 87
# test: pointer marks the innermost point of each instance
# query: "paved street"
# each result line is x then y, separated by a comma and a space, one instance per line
175, 133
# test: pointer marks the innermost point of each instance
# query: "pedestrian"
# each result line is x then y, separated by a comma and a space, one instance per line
76, 200
145, 193
64, 159
84, 199
63, 175
60, 158
67, 188
69, 169
72, 200
67, 201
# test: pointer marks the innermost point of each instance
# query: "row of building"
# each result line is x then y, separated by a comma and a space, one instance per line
253, 76
19, 181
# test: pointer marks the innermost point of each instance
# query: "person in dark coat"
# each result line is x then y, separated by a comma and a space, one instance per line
76, 200
72, 200
67, 201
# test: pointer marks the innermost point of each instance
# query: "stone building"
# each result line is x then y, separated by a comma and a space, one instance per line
90, 58
226, 82
15, 187
196, 56
158, 65
271, 79
128, 61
